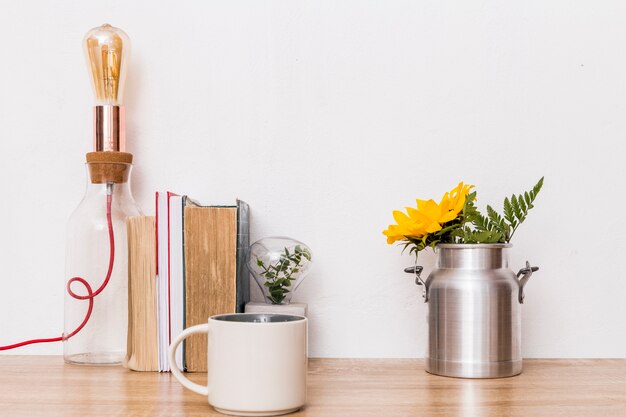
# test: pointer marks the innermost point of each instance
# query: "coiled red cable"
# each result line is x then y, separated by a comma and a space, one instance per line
90, 293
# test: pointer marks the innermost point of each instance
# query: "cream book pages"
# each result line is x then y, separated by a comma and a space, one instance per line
210, 247
142, 352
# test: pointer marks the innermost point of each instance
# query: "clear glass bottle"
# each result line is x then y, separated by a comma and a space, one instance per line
102, 337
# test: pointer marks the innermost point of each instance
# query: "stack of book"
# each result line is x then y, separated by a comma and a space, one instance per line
199, 272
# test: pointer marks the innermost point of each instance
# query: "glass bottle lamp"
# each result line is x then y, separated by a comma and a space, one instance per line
96, 289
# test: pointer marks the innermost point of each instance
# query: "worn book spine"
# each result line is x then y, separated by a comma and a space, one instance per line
243, 246
210, 248
142, 349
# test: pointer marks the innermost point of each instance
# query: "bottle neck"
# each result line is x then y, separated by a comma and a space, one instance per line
108, 178
118, 190
472, 256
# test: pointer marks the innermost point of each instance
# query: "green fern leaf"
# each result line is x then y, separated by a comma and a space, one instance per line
495, 218
522, 203
508, 211
482, 223
537, 187
516, 208
485, 236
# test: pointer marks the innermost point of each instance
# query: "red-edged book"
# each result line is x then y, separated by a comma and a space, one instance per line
170, 270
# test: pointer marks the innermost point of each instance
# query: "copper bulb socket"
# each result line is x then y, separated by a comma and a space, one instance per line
109, 128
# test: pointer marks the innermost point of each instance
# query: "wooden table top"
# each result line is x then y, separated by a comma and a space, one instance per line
45, 386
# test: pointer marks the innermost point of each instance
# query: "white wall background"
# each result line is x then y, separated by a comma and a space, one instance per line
325, 116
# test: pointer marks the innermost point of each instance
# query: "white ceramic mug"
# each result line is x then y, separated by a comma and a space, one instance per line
257, 363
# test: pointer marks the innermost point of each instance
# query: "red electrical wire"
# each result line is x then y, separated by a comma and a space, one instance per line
90, 293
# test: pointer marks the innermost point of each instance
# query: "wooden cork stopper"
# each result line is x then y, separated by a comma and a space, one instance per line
109, 166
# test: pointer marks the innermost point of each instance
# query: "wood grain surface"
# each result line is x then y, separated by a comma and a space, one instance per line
45, 386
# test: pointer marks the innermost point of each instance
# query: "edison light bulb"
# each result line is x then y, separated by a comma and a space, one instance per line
107, 51
106, 48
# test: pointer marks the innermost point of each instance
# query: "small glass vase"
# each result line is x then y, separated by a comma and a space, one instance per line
279, 265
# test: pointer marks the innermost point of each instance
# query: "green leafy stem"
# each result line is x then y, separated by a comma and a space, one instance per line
496, 227
471, 226
279, 276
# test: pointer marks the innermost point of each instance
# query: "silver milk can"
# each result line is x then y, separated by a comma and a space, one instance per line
474, 311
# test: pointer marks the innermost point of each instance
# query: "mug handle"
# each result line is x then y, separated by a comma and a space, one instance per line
200, 389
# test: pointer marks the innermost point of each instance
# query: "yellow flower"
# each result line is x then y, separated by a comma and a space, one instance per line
455, 199
406, 226
429, 216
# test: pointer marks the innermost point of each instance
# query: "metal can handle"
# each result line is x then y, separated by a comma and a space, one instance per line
417, 270
525, 274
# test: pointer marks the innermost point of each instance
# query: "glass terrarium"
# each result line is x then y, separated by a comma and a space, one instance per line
279, 265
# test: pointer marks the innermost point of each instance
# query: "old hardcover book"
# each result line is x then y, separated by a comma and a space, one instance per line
142, 351
243, 246
215, 241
